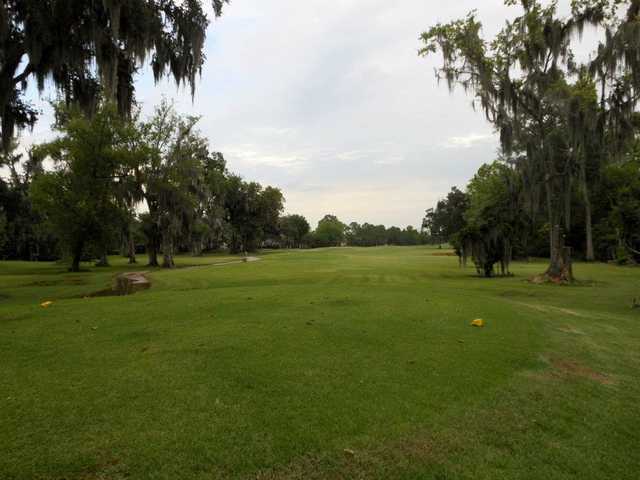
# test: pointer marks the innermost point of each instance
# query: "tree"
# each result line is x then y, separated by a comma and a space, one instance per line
170, 173
294, 228
86, 47
77, 198
207, 228
26, 238
617, 232
330, 232
495, 221
252, 213
444, 221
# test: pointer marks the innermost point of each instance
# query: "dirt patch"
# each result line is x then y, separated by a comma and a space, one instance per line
570, 368
350, 463
124, 284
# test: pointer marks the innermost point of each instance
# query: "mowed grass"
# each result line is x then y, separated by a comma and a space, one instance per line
337, 363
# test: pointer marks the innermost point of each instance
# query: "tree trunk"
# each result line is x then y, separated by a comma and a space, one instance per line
167, 251
560, 269
153, 248
590, 255
153, 255
132, 249
76, 257
103, 261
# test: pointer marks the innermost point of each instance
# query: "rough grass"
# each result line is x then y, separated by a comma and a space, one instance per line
339, 363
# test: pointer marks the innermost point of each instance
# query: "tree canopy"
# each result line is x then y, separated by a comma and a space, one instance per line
87, 47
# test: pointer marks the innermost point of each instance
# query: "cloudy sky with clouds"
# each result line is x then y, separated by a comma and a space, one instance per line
330, 102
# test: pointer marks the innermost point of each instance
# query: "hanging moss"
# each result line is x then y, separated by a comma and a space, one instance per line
80, 44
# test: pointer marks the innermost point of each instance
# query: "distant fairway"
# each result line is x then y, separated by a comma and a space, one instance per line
337, 363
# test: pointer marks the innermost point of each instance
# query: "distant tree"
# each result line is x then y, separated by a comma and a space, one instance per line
252, 213
87, 47
294, 228
447, 218
409, 236
330, 232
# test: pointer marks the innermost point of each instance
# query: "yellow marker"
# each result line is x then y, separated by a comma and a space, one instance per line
478, 322
46, 304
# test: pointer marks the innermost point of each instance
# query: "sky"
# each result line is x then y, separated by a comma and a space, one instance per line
334, 106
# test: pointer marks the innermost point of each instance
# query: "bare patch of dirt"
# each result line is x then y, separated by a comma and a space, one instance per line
570, 368
123, 284
354, 463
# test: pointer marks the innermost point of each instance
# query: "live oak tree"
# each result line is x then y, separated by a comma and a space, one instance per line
88, 47
170, 175
516, 79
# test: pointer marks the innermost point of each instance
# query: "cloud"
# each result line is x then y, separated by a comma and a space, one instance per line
470, 140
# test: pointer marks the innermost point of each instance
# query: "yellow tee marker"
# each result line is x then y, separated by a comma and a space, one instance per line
478, 322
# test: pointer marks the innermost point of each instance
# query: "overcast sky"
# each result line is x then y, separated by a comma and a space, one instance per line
333, 105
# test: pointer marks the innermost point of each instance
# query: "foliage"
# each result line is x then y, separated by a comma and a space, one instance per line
330, 232
77, 199
294, 229
25, 235
441, 223
368, 235
618, 233
494, 220
170, 176
252, 213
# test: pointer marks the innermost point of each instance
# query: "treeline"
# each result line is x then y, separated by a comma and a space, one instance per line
331, 232
128, 186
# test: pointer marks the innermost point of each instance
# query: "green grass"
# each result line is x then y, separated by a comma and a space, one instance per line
338, 363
